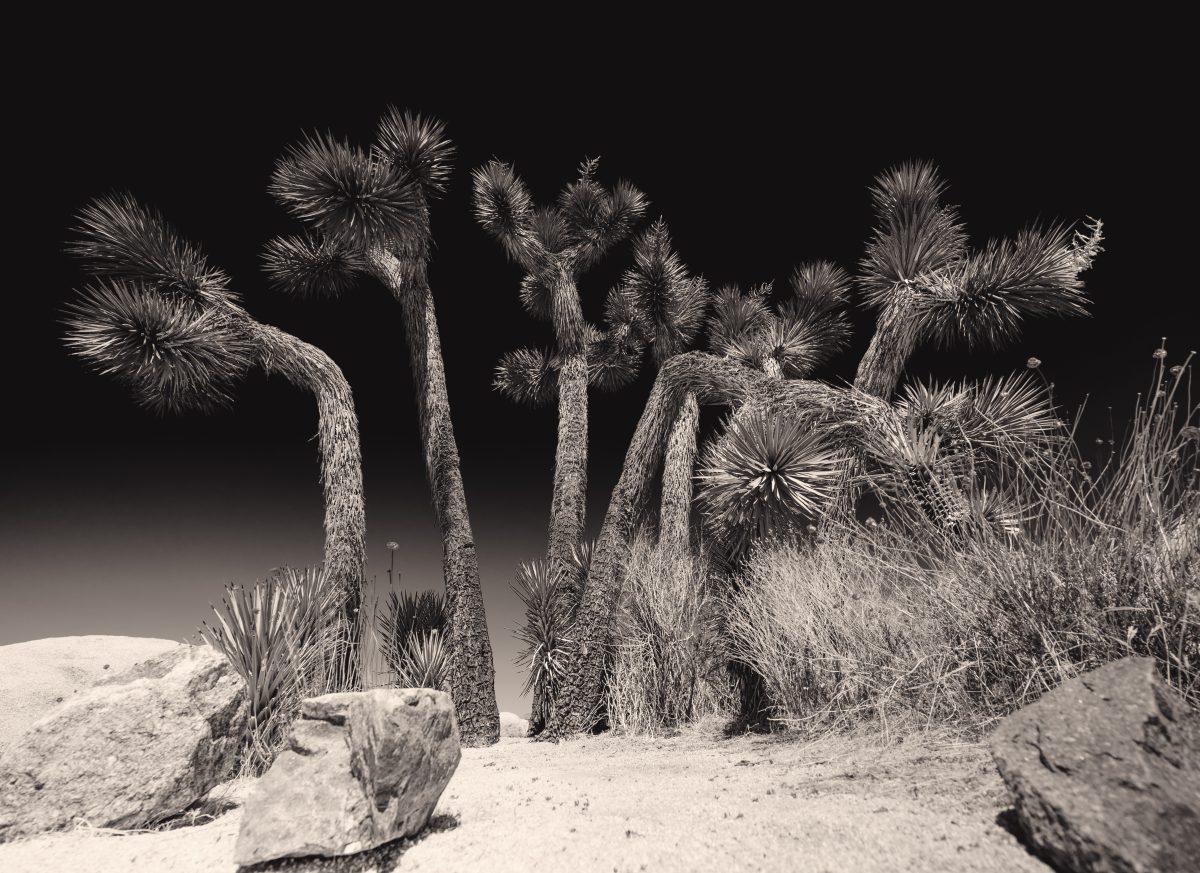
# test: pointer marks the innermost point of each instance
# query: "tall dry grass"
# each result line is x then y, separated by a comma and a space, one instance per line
909, 619
667, 662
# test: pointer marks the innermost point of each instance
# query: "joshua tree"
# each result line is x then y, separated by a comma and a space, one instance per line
169, 326
555, 245
924, 282
368, 212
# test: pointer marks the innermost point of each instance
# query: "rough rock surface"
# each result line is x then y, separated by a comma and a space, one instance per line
132, 751
363, 768
1104, 772
38, 675
512, 725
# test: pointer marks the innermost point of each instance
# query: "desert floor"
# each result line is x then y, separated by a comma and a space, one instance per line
691, 802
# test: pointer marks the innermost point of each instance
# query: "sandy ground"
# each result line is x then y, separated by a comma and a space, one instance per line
37, 676
695, 802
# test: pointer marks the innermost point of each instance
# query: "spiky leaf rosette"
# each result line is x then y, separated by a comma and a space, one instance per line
914, 235
120, 237
983, 298
503, 207
172, 354
995, 511
658, 284
614, 358
527, 376
309, 265
406, 615
417, 146
767, 474
597, 219
342, 191
736, 317
544, 633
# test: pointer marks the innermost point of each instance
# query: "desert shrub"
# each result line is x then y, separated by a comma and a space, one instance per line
667, 663
409, 628
549, 596
287, 638
1048, 570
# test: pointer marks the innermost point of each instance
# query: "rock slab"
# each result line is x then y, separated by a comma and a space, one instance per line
39, 675
1104, 772
132, 751
362, 768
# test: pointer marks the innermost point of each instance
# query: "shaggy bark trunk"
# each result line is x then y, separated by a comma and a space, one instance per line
309, 368
675, 511
469, 649
579, 702
568, 505
891, 346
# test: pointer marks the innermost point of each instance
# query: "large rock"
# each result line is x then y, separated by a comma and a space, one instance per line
39, 675
512, 725
362, 768
134, 750
1104, 772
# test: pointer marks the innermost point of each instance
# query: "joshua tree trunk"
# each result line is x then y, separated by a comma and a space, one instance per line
568, 505
472, 674
674, 521
309, 368
891, 346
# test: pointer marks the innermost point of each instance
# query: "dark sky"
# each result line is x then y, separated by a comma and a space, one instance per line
115, 520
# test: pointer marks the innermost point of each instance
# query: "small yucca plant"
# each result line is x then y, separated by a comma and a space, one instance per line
409, 619
550, 598
424, 662
275, 634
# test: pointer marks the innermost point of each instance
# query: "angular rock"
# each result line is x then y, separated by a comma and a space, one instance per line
39, 675
1104, 772
130, 752
362, 768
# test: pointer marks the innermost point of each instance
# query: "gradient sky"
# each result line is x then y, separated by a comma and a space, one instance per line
114, 520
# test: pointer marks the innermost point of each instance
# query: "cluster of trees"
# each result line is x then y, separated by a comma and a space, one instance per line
159, 317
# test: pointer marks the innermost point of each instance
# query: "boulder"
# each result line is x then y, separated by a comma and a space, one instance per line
362, 768
512, 725
1104, 772
134, 750
39, 675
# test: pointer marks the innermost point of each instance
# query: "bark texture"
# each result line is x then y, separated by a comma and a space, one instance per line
675, 511
569, 500
309, 368
469, 649
895, 339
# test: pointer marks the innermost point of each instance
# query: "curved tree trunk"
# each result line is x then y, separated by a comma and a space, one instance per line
309, 368
568, 504
892, 344
469, 649
675, 511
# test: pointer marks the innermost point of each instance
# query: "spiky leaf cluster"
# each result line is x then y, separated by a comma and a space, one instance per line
120, 237
408, 617
504, 208
614, 357
172, 354
544, 593
418, 147
343, 191
767, 474
915, 234
309, 265
596, 218
983, 297
528, 376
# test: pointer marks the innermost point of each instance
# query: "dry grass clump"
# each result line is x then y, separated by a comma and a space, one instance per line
966, 622
667, 664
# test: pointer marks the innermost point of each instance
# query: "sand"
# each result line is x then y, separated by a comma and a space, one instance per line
693, 802
37, 676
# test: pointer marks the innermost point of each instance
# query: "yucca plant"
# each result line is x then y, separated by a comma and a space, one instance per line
277, 634
549, 600
925, 283
405, 617
424, 664
169, 325
366, 212
555, 245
